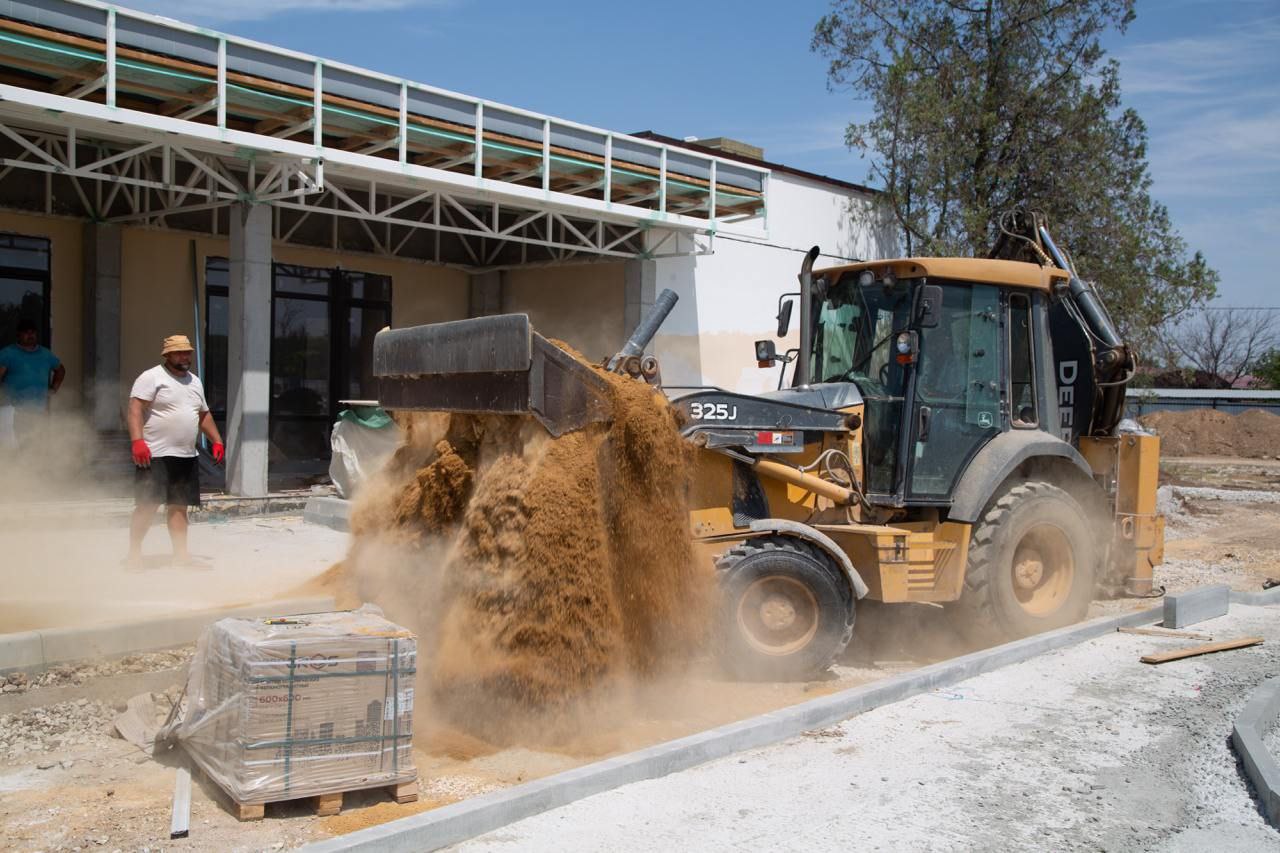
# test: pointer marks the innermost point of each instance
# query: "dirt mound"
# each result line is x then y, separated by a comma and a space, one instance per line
538, 572
1252, 434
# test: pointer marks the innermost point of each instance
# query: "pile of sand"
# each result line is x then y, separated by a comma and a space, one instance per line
1252, 434
538, 572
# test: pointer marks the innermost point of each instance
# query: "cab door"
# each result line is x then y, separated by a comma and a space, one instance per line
957, 400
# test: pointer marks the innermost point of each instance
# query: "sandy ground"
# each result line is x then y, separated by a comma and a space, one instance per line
1080, 749
77, 576
65, 782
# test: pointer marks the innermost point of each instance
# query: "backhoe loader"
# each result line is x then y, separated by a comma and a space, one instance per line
950, 434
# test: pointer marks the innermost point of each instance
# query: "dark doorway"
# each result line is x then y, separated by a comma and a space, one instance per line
322, 325
24, 286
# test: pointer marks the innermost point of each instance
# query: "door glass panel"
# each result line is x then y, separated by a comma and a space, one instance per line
366, 285
20, 299
853, 341
363, 324
302, 280
215, 353
959, 382
1022, 391
300, 357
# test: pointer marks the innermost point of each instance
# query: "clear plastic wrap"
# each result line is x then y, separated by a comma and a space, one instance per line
300, 706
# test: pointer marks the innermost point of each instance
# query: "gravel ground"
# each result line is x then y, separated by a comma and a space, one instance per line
79, 673
1081, 749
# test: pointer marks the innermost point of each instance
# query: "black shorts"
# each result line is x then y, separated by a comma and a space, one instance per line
171, 480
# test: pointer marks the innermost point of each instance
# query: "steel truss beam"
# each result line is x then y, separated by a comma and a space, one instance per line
150, 182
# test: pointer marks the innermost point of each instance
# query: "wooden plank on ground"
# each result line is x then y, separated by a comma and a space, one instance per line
1193, 651
1161, 632
180, 823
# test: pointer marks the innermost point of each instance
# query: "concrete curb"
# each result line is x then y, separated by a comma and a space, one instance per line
329, 511
1258, 716
460, 821
35, 651
1257, 599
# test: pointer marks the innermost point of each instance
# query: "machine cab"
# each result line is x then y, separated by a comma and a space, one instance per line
945, 362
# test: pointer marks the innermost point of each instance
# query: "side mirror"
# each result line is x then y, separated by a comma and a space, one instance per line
929, 306
766, 352
784, 318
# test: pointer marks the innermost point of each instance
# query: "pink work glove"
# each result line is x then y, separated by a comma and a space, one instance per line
219, 452
141, 454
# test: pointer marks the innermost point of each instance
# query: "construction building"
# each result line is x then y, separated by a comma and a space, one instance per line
157, 178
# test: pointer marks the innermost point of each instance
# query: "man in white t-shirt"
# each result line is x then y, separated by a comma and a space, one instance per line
167, 412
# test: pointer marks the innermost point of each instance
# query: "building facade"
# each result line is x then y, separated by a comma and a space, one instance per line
157, 179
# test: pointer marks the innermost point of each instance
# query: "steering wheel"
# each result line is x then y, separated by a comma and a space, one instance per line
884, 374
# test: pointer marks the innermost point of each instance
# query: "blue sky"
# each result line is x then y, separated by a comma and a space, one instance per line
1201, 73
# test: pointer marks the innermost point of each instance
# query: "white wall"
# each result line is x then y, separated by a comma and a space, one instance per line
729, 299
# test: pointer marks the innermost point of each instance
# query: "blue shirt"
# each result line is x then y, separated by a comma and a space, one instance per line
27, 374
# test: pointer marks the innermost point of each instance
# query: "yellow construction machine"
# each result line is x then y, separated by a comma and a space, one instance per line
950, 434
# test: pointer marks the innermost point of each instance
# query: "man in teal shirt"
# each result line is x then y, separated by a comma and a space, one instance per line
29, 374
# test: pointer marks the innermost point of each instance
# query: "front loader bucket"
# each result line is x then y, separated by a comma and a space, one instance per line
488, 365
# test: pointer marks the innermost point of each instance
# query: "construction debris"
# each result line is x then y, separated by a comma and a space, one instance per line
1193, 651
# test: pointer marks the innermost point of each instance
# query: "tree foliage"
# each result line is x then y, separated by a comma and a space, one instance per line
1226, 344
1268, 369
983, 105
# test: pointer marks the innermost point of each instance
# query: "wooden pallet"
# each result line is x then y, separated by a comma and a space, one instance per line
331, 804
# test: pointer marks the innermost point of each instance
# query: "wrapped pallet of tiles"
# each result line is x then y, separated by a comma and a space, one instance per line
301, 706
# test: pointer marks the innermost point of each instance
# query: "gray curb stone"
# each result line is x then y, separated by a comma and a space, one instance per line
1257, 599
460, 821
1258, 716
35, 651
332, 512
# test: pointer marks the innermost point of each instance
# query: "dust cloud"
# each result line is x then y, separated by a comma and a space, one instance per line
548, 580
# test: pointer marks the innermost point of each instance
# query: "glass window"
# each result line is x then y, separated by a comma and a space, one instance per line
1022, 391
853, 340
367, 285
959, 383
24, 286
21, 299
363, 324
300, 357
27, 253
304, 281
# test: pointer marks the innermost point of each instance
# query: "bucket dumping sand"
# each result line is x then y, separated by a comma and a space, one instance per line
540, 573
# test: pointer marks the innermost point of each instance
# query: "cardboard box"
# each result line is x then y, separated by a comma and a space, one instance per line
285, 708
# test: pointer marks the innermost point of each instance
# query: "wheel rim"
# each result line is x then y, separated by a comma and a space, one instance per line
1043, 570
778, 615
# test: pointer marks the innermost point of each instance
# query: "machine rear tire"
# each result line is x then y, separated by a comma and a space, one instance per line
786, 612
1032, 565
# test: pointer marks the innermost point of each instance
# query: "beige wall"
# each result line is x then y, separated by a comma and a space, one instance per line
66, 292
156, 298
580, 304
156, 288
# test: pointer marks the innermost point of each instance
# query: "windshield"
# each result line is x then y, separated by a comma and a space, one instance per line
853, 331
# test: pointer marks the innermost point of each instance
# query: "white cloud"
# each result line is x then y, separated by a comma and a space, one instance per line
249, 10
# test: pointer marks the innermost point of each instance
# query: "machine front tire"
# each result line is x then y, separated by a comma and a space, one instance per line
787, 610
1032, 565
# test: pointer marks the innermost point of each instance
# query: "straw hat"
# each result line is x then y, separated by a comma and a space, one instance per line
176, 343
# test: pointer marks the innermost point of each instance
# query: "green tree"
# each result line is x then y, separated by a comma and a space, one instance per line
1268, 368
981, 105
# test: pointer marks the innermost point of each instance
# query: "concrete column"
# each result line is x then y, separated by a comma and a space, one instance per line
640, 280
485, 294
249, 350
100, 382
